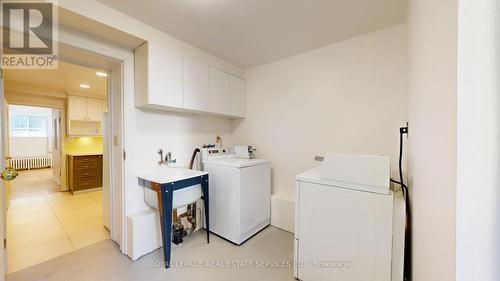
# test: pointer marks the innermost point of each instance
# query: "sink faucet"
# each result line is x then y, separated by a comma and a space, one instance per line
168, 158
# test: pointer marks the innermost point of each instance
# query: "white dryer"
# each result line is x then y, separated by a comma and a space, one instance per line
240, 194
348, 224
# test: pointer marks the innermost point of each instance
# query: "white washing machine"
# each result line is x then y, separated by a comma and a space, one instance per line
348, 224
240, 194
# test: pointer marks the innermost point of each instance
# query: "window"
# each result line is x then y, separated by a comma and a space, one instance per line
28, 126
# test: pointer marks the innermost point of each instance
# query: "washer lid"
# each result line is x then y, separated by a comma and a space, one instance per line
314, 176
236, 162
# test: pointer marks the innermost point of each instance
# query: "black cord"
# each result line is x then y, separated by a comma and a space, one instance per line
404, 189
401, 157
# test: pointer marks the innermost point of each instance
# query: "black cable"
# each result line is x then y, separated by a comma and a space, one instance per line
404, 189
401, 157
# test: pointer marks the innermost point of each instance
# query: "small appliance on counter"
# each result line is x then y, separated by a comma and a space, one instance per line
244, 151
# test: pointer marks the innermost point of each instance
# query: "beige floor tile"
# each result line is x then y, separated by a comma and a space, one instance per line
43, 227
33, 183
26, 225
29, 211
88, 235
65, 201
38, 255
30, 240
26, 214
77, 213
96, 196
25, 218
27, 202
71, 226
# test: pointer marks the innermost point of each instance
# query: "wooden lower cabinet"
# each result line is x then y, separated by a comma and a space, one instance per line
84, 172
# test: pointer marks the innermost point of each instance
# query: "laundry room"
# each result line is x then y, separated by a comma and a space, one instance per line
296, 109
319, 141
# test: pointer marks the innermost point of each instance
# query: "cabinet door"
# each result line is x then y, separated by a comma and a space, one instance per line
94, 109
165, 83
77, 108
238, 96
195, 85
218, 96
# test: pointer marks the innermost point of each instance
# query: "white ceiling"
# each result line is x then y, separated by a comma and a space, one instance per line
254, 32
67, 77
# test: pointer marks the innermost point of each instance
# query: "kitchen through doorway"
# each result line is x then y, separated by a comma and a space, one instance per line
55, 128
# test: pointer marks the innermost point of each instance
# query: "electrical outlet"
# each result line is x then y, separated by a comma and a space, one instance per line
404, 130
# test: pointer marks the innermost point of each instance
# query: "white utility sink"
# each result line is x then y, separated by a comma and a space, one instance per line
166, 175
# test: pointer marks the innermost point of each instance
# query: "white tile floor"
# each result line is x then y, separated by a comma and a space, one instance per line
44, 227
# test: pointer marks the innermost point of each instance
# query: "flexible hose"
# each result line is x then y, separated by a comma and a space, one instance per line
193, 157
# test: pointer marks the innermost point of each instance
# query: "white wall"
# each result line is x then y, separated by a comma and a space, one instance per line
27, 147
30, 146
349, 97
478, 193
177, 133
432, 32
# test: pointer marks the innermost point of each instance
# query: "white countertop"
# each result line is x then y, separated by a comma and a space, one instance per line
83, 153
166, 174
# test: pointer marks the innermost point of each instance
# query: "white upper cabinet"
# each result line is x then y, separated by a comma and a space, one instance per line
158, 76
219, 94
94, 109
77, 108
238, 96
168, 81
196, 76
85, 109
85, 116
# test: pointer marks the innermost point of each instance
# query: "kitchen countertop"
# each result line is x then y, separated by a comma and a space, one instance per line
83, 153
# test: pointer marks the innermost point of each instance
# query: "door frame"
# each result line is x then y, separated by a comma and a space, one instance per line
125, 58
116, 98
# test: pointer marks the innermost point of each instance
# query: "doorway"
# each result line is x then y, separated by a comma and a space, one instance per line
56, 132
34, 150
118, 61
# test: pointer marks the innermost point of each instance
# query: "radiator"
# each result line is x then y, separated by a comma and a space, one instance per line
28, 163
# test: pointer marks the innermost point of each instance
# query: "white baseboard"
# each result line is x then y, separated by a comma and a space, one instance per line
282, 213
